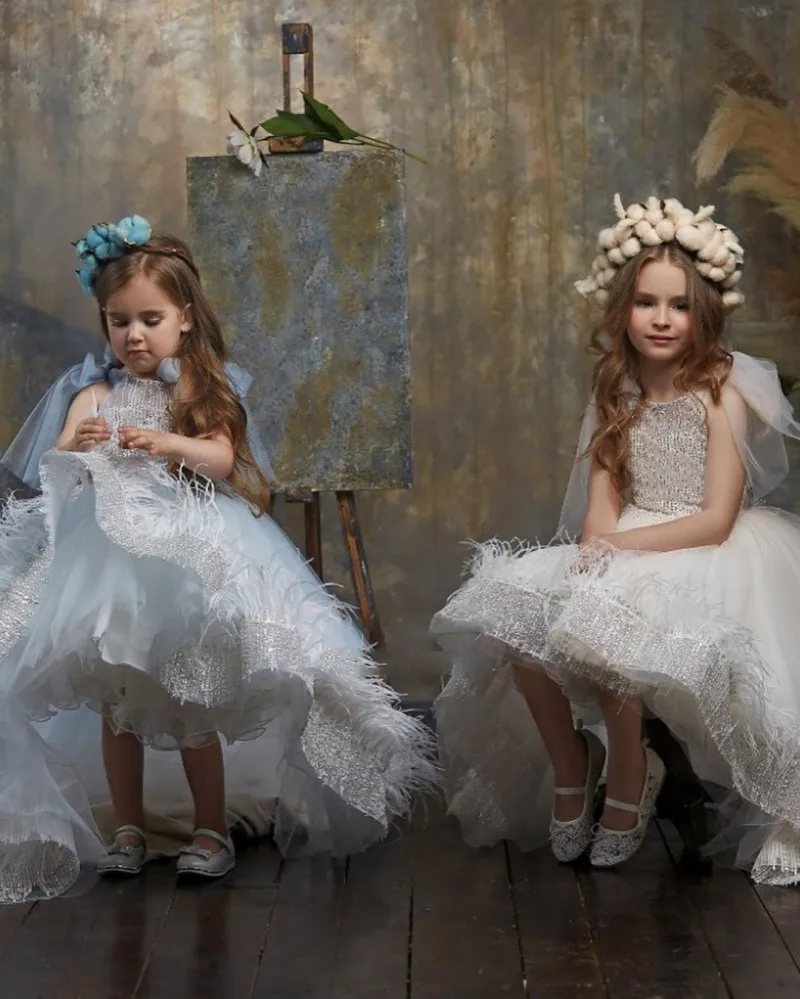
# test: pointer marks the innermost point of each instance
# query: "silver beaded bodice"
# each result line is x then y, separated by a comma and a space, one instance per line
138, 402
668, 451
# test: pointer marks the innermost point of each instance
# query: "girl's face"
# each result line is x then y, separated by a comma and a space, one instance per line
144, 325
660, 325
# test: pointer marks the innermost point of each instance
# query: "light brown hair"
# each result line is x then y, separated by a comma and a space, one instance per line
705, 366
204, 402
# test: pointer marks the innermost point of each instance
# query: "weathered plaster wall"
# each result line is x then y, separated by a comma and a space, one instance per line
531, 116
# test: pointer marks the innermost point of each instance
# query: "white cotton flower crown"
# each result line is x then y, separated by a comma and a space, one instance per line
717, 253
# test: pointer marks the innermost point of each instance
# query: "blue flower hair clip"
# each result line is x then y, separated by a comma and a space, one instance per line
108, 241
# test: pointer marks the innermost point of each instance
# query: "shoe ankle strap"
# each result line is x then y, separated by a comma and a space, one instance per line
130, 831
623, 806
224, 841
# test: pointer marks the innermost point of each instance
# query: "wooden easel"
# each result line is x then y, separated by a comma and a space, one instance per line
297, 39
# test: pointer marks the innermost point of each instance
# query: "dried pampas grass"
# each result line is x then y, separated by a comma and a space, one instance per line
740, 72
752, 120
769, 140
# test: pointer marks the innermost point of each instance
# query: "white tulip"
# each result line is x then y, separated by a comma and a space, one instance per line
245, 149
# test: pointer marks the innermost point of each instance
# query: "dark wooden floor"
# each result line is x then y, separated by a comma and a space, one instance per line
422, 917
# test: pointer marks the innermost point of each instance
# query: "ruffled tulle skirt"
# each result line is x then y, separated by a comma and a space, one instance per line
177, 613
708, 638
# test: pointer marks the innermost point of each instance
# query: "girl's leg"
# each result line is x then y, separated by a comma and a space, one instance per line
205, 772
123, 757
627, 764
566, 748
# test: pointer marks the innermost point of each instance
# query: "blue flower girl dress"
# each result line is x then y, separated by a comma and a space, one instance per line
127, 589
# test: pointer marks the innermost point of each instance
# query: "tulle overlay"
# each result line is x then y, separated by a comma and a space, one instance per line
167, 604
707, 637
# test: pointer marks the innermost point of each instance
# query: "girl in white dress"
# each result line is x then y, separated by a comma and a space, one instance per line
148, 583
680, 598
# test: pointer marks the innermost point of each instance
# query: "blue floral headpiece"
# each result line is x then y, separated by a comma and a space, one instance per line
108, 241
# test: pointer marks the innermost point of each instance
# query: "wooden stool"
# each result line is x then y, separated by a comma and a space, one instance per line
683, 799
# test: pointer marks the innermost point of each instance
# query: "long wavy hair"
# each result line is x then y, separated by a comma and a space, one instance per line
204, 402
705, 366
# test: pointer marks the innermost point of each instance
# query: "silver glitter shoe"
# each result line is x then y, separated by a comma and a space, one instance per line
571, 838
612, 847
124, 859
196, 862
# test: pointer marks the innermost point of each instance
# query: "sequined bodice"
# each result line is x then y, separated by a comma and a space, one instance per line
668, 450
138, 402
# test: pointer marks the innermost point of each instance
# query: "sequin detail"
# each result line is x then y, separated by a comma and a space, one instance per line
26, 556
137, 402
778, 861
332, 747
667, 461
201, 674
18, 604
36, 870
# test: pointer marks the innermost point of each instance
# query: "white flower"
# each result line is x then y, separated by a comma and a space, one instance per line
245, 149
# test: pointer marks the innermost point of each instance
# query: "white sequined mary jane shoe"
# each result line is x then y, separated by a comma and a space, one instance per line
125, 859
612, 847
569, 839
198, 863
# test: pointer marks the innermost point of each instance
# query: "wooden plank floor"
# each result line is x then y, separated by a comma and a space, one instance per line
419, 917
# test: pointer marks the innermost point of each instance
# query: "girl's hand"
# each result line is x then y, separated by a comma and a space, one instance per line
90, 432
154, 442
595, 553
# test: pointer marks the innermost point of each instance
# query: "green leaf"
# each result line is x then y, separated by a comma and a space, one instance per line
310, 125
331, 121
287, 125
789, 383
236, 122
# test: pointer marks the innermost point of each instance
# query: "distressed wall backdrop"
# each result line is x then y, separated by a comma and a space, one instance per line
531, 115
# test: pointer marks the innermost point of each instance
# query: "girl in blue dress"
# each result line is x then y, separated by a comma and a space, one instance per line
148, 583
